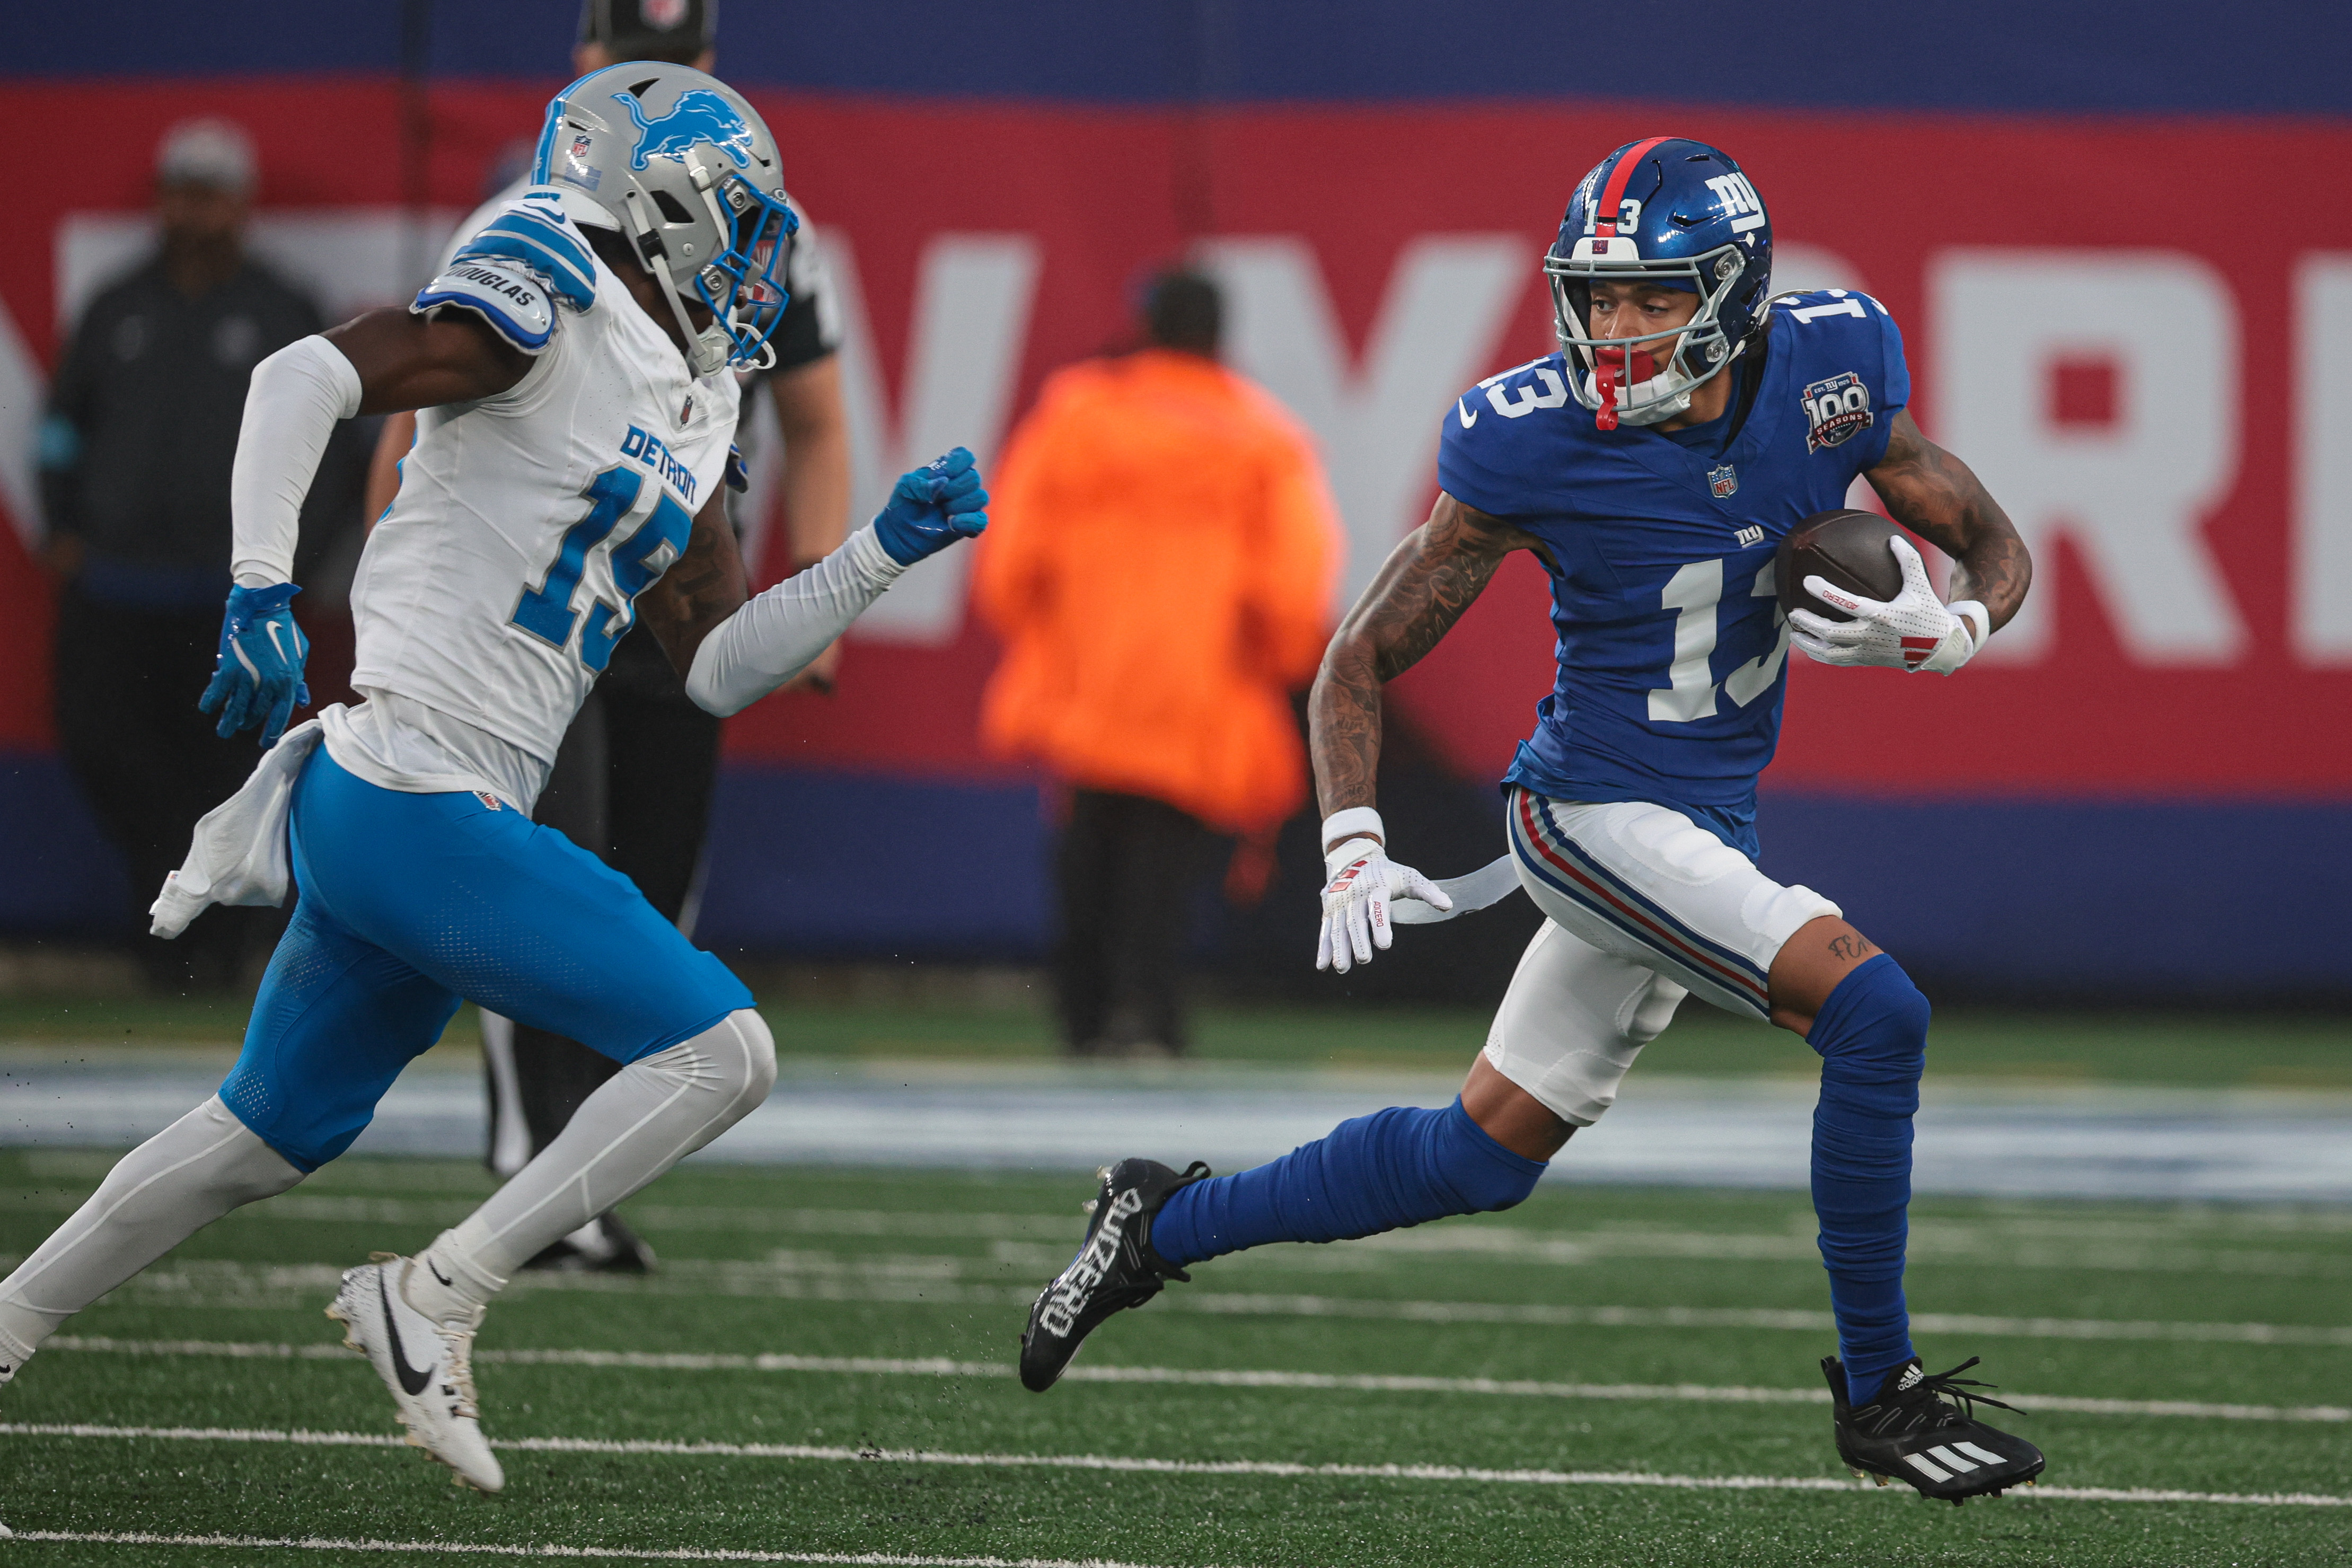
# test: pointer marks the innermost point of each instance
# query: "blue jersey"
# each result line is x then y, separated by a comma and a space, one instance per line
1672, 651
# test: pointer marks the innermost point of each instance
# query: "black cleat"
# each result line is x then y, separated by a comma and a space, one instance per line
1913, 1433
605, 1244
1115, 1268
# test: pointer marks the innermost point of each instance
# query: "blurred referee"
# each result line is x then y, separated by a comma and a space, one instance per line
633, 778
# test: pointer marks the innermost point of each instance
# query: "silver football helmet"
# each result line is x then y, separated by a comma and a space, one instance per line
689, 173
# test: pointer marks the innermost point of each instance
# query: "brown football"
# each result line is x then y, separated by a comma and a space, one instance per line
1846, 548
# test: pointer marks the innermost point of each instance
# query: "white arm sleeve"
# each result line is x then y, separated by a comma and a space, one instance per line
295, 398
775, 635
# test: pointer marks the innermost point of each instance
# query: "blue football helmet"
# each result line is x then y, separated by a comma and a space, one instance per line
1678, 215
688, 171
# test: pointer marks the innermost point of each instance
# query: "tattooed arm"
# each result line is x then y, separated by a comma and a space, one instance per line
701, 588
1934, 495
1422, 590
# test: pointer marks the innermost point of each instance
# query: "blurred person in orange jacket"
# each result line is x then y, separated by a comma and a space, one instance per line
1161, 569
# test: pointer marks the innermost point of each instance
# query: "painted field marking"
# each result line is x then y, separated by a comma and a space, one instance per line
1124, 1464
2025, 1242
461, 1547
935, 1366
789, 1278
1549, 1315
335, 1209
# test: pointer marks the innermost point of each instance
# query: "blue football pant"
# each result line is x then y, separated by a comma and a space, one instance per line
409, 902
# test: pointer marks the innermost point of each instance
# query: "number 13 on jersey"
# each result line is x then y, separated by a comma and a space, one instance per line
1694, 593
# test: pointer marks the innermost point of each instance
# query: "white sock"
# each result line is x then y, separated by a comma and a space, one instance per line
641, 1122
162, 1192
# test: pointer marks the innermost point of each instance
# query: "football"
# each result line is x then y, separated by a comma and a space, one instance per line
1847, 548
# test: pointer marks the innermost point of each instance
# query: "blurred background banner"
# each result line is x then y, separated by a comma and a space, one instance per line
2117, 249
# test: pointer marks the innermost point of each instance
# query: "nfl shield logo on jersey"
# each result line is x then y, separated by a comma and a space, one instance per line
1724, 481
1835, 409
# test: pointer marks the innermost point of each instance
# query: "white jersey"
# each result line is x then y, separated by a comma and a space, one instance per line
496, 585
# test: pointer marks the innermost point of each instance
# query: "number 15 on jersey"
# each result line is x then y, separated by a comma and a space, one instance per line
546, 610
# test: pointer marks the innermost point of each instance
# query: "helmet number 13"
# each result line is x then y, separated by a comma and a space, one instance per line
1695, 592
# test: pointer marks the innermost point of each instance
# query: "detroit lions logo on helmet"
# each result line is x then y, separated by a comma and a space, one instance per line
699, 115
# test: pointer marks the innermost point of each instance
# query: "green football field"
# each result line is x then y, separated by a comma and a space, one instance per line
822, 1373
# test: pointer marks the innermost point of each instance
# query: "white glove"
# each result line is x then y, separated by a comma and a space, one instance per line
1360, 883
1915, 630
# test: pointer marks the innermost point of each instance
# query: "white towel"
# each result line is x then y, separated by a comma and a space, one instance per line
239, 854
1489, 884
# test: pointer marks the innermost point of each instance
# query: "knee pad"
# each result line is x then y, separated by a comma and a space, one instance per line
1572, 1022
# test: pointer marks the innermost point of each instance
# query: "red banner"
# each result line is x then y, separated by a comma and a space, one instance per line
2140, 334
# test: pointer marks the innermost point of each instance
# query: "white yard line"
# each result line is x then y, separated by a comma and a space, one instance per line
933, 1366
2027, 1243
1550, 1315
917, 1280
1125, 1463
461, 1547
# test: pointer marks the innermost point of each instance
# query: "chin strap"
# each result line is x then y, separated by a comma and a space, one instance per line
710, 349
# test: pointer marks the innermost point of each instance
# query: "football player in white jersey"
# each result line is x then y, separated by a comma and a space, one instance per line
572, 366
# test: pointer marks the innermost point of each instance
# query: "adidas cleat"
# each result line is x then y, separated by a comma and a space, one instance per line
1913, 1432
427, 1365
1115, 1268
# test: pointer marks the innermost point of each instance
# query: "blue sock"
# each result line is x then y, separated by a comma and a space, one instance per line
1871, 1034
1391, 1169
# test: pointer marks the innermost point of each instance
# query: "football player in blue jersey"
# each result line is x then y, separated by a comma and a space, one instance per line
1688, 422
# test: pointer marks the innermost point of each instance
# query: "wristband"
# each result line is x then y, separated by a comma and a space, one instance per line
1357, 821
1347, 852
1979, 620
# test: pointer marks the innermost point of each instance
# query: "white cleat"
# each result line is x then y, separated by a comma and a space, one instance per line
427, 1365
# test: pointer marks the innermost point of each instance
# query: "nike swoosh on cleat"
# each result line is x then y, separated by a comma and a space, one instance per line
435, 1269
412, 1380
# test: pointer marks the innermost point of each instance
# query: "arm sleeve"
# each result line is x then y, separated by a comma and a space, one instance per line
775, 635
292, 407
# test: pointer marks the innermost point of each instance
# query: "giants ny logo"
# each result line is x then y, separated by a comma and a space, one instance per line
1740, 203
1835, 409
699, 115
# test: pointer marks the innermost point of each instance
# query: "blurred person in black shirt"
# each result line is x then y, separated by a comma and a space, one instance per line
136, 449
634, 779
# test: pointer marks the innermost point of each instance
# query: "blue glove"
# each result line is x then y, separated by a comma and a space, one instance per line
257, 675
931, 508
